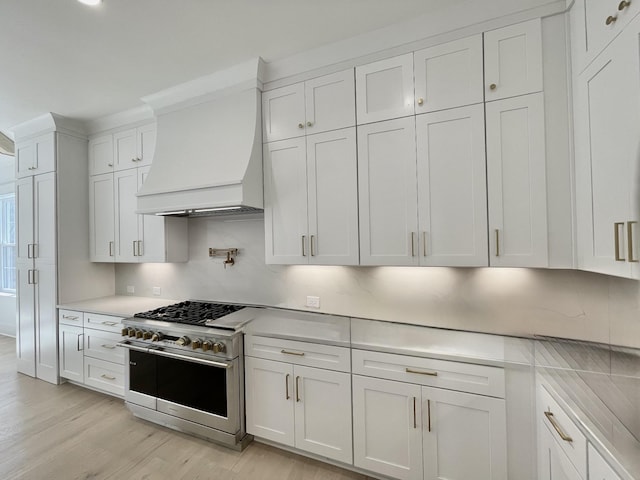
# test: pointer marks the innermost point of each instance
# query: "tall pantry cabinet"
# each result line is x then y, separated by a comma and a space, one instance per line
52, 241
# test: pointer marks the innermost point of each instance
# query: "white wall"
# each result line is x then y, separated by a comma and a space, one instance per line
563, 303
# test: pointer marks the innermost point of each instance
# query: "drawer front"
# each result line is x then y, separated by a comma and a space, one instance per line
298, 353
599, 469
559, 424
102, 345
106, 376
463, 377
70, 317
107, 323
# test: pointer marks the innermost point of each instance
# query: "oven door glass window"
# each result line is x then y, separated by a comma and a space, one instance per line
142, 373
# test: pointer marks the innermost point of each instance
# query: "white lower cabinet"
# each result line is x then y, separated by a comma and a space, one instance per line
553, 463
71, 352
599, 469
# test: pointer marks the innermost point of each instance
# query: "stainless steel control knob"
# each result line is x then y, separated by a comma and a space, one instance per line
156, 337
207, 345
219, 347
183, 341
197, 343
139, 333
125, 332
147, 335
131, 332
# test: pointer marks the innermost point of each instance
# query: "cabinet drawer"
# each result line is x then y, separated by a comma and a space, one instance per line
298, 353
103, 375
599, 469
70, 317
102, 345
107, 323
464, 377
559, 424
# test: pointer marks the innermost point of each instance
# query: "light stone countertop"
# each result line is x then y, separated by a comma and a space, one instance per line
118, 305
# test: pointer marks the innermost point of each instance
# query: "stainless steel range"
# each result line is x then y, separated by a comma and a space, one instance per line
184, 368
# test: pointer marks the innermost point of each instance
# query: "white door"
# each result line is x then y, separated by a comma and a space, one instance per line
151, 231
125, 187
333, 198
270, 397
46, 316
387, 437
387, 190
516, 179
449, 75
283, 113
101, 218
101, 155
330, 102
452, 188
285, 192
24, 224
125, 149
465, 436
146, 144
44, 218
513, 60
553, 463
25, 158
25, 319
70, 344
384, 89
323, 413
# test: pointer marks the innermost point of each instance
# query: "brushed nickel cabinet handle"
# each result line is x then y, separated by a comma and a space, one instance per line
286, 387
420, 101
70, 317
309, 124
301, 125
429, 415
287, 352
312, 245
79, 347
493, 86
557, 428
109, 164
415, 422
616, 240
110, 347
624, 4
421, 372
29, 245
297, 389
630, 225
111, 249
304, 237
413, 241
140, 249
35, 277
29, 277
108, 377
109, 324
497, 242
424, 244
134, 249
610, 19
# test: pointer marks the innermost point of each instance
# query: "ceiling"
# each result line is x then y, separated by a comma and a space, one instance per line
85, 62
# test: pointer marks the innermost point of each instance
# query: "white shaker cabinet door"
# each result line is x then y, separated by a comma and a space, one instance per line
452, 187
323, 413
516, 182
513, 60
25, 158
384, 89
36, 156
125, 149
449, 75
101, 155
270, 399
330, 102
283, 113
101, 218
387, 190
24, 224
25, 319
146, 144
44, 218
46, 316
333, 198
465, 435
553, 463
70, 345
387, 434
125, 184
285, 213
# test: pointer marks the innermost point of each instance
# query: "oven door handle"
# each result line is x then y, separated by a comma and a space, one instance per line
132, 347
177, 356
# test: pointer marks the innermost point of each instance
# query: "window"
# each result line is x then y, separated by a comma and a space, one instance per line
8, 243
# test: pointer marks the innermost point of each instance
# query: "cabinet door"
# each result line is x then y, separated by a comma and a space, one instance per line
71, 353
604, 19
25, 319
125, 185
24, 224
330, 102
283, 113
387, 438
384, 89
46, 317
452, 187
553, 463
45, 159
449, 75
387, 191
25, 158
333, 198
599, 469
151, 230
44, 218
465, 435
125, 149
146, 144
270, 400
516, 181
101, 218
101, 155
323, 413
513, 60
285, 212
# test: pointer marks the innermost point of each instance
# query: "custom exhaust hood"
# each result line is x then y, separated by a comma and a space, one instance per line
208, 157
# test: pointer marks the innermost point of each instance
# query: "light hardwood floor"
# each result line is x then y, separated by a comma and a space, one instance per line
66, 432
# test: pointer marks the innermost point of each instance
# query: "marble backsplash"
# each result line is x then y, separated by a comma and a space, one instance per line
510, 301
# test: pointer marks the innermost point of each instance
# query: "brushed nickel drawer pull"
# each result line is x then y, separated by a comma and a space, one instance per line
421, 372
553, 422
497, 242
297, 389
286, 387
287, 352
415, 422
424, 244
70, 317
110, 347
630, 241
313, 253
110, 324
134, 248
429, 414
108, 377
80, 344
413, 241
111, 249
304, 237
616, 240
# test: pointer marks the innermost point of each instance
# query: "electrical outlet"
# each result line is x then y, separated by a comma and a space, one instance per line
131, 289
157, 291
313, 302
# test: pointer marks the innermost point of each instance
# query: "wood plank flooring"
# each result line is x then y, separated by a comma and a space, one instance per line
66, 432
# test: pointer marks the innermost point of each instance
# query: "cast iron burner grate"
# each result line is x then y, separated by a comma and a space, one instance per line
190, 313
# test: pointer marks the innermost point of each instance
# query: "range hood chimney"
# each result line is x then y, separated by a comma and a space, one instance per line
208, 157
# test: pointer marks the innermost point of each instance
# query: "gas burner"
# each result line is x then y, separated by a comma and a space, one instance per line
190, 312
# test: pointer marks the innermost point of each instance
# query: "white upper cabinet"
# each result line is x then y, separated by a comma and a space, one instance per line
134, 147
146, 144
387, 190
36, 156
513, 60
452, 190
125, 184
101, 155
317, 105
449, 75
101, 218
516, 178
384, 89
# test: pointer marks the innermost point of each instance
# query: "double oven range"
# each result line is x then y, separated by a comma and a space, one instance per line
184, 368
